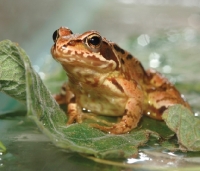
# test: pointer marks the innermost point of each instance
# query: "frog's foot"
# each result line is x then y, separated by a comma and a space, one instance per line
73, 115
116, 129
119, 128
128, 122
94, 118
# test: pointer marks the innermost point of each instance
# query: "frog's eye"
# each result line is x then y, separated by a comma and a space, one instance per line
55, 35
94, 41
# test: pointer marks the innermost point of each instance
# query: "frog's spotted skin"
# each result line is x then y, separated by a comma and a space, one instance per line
106, 80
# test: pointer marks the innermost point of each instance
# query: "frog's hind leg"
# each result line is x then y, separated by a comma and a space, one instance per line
130, 119
160, 95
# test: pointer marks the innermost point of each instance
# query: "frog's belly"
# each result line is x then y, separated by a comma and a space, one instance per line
103, 106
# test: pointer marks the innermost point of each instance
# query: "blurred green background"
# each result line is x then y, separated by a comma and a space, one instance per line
162, 34
154, 31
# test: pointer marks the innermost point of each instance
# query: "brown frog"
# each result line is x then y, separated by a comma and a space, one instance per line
104, 79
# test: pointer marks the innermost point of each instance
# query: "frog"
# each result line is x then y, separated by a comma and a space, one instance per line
106, 80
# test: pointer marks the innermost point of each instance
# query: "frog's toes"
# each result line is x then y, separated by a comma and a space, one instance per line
115, 129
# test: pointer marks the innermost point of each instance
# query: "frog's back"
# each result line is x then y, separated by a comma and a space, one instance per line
158, 91
131, 67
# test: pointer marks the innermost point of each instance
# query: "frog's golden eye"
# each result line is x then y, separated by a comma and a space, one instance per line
94, 41
55, 35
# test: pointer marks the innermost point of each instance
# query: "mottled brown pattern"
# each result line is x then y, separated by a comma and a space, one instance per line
118, 49
129, 56
122, 61
108, 53
117, 85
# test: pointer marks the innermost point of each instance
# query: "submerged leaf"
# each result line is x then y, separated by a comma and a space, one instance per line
186, 126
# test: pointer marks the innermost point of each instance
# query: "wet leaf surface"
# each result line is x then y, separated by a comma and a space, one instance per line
186, 126
12, 75
156, 126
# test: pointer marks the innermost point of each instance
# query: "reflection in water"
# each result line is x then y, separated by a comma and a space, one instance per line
142, 157
143, 40
197, 114
154, 60
42, 75
37, 69
187, 34
173, 36
167, 69
1, 164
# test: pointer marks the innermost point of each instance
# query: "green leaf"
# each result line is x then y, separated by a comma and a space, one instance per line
170, 145
156, 126
186, 126
2, 147
12, 75
51, 119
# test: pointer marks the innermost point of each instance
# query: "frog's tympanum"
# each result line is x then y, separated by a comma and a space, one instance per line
104, 79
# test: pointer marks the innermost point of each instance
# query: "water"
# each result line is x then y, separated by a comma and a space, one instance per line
29, 149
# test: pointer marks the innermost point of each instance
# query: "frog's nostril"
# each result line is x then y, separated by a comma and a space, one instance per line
55, 35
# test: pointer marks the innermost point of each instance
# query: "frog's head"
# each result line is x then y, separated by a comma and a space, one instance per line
88, 50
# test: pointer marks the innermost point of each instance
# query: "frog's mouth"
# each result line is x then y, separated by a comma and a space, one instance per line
69, 57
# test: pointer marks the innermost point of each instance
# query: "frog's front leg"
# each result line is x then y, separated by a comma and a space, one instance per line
67, 97
73, 113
